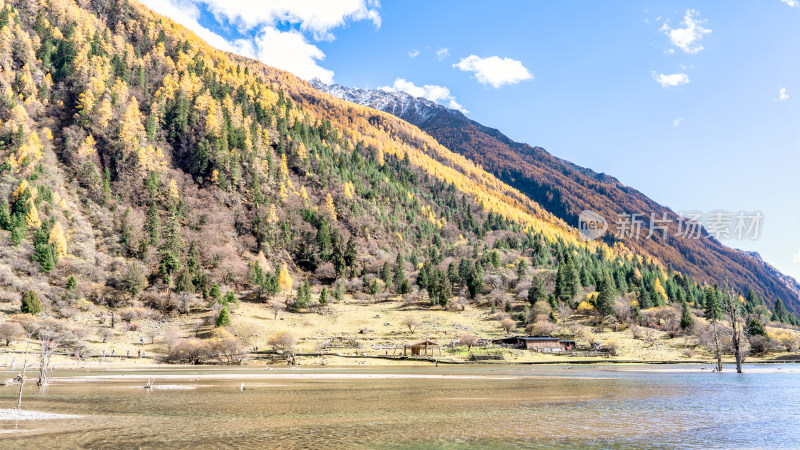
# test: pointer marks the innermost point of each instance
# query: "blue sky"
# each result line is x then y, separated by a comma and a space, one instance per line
696, 103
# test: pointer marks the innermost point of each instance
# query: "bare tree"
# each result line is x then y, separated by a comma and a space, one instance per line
508, 324
22, 375
410, 322
733, 306
284, 341
11, 331
277, 306
469, 340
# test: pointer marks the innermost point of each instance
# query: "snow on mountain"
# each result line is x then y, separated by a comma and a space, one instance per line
416, 110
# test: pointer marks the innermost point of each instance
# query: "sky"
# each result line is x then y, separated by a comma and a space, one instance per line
694, 103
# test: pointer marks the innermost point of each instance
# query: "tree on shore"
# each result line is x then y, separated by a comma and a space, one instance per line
734, 305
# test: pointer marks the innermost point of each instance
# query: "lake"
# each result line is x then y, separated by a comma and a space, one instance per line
421, 406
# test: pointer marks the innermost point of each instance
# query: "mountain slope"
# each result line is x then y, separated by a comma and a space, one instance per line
566, 190
146, 173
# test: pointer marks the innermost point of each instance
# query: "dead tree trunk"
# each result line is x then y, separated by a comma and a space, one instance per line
717, 346
22, 376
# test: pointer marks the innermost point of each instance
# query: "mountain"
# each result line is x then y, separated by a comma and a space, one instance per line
566, 189
145, 173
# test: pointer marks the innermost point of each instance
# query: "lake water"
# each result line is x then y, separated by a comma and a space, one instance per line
453, 407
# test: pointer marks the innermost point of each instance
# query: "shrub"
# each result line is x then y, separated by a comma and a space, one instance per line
508, 324
283, 340
11, 331
542, 329
761, 345
31, 303
192, 351
612, 347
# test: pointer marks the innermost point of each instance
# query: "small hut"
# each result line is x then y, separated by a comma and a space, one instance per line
421, 348
536, 343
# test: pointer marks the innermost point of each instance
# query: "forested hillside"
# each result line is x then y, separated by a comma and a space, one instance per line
143, 168
565, 190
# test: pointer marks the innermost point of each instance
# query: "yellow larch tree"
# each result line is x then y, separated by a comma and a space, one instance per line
285, 281
58, 240
330, 206
302, 152
87, 147
348, 189
659, 289
284, 168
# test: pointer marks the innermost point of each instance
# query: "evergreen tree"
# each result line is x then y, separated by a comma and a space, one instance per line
713, 310
566, 284
350, 253
755, 328
400, 282
72, 282
386, 274
475, 280
5, 215
153, 224
31, 303
215, 293
184, 282
780, 313
687, 318
537, 291
224, 318
452, 273
323, 296
605, 298
230, 297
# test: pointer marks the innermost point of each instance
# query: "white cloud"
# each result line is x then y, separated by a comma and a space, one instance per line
290, 51
668, 81
286, 50
782, 95
317, 17
792, 3
494, 70
687, 38
796, 258
413, 53
432, 92
442, 53
677, 122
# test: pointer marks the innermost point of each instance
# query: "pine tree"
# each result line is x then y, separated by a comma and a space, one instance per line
399, 279
475, 280
153, 224
386, 274
605, 298
687, 318
713, 310
31, 303
72, 282
323, 296
5, 215
215, 293
537, 292
224, 318
780, 313
452, 273
350, 253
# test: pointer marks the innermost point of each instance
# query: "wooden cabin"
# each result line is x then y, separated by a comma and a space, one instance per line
537, 343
